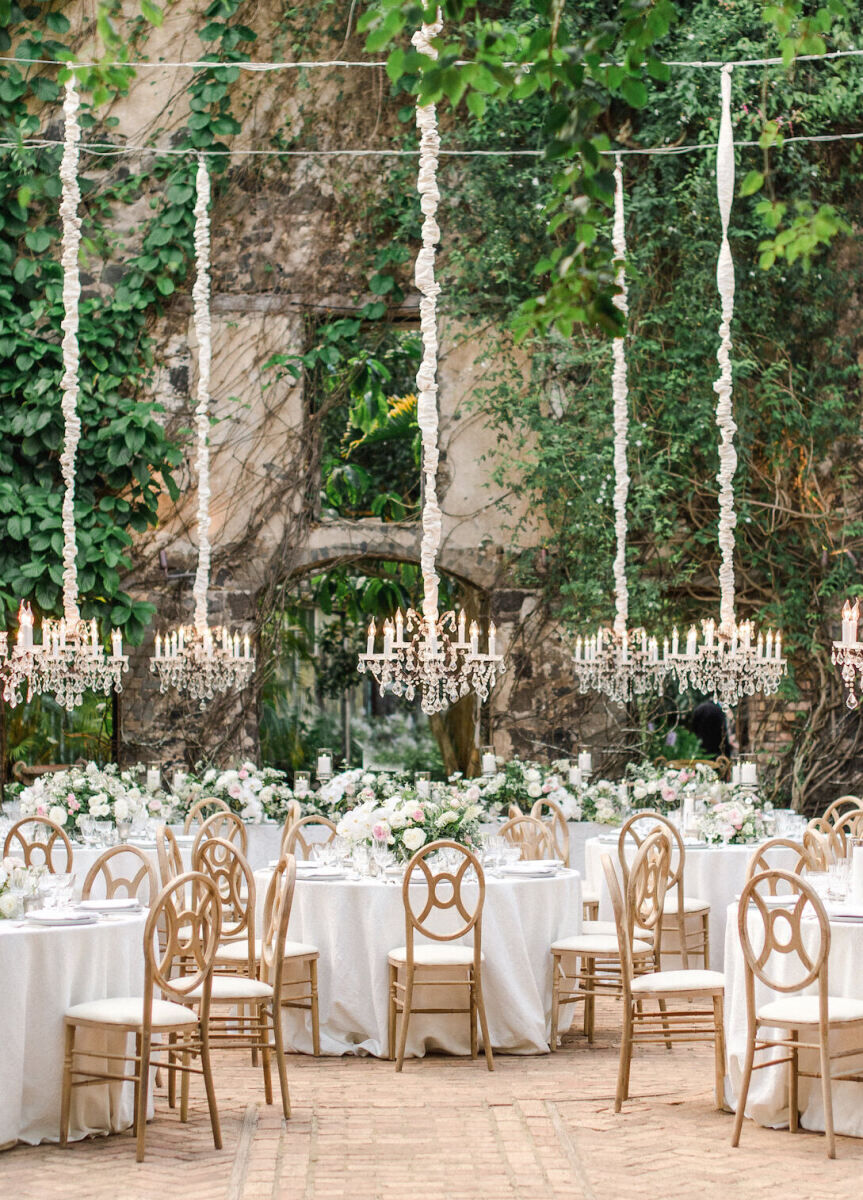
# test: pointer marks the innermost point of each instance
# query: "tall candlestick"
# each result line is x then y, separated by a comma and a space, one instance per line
675, 640
370, 643
492, 634
462, 620
247, 646
474, 638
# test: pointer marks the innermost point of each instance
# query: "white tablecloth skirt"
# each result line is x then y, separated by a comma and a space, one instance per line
767, 1102
43, 971
354, 925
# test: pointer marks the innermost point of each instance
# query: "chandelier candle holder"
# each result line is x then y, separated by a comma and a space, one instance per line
70, 659
430, 654
848, 653
200, 659
620, 662
729, 662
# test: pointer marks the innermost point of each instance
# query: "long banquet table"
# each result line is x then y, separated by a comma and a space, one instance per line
767, 1102
355, 923
43, 971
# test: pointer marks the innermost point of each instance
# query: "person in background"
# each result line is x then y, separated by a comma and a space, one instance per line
709, 725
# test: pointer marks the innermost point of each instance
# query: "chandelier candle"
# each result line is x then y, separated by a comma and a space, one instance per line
848, 653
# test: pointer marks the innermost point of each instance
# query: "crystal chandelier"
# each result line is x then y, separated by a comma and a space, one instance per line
848, 653
429, 653
730, 661
70, 658
196, 658
620, 662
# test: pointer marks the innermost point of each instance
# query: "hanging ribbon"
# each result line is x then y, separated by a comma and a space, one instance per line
427, 411
201, 297
70, 199
722, 386
620, 393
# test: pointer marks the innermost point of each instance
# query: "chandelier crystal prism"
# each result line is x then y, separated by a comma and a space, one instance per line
730, 661
70, 659
620, 662
847, 653
198, 659
430, 654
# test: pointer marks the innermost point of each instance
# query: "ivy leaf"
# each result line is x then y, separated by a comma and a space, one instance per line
753, 182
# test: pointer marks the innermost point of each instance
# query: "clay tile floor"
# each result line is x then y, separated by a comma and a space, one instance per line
446, 1129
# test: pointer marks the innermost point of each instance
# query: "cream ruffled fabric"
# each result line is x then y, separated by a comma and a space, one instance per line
70, 199
201, 297
620, 393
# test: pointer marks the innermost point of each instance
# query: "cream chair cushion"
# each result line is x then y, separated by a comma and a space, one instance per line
692, 904
236, 952
129, 1010
609, 929
803, 1010
589, 895
432, 955
234, 987
596, 944
679, 981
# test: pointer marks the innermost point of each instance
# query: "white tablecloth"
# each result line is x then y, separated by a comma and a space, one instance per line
263, 842
715, 874
767, 1102
85, 856
43, 971
355, 924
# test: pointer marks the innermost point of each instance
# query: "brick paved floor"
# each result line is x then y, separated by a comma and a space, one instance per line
448, 1130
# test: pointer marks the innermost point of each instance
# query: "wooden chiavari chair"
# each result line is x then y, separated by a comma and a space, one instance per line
646, 889
224, 825
189, 910
532, 837
295, 842
678, 908
839, 807
202, 809
588, 965
280, 959
760, 860
421, 901
48, 839
555, 823
513, 811
816, 1015
834, 836
140, 881
168, 854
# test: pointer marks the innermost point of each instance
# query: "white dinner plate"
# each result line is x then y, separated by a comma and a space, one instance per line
784, 901
530, 870
141, 844
184, 839
841, 912
58, 916
325, 873
116, 905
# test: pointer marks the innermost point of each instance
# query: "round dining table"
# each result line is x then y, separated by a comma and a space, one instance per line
355, 923
43, 971
713, 873
767, 1102
85, 856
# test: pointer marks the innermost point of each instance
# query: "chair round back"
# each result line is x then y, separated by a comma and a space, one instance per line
779, 931
643, 902
227, 866
295, 841
514, 810
202, 809
277, 915
225, 825
556, 825
839, 807
187, 917
533, 838
47, 839
833, 835
677, 851
816, 850
140, 875
168, 854
442, 892
760, 860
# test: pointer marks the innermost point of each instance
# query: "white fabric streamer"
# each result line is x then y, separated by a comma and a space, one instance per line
201, 297
722, 386
620, 393
427, 413
70, 200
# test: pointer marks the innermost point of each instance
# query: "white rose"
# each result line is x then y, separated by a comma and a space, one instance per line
4, 875
121, 809
653, 785
8, 905
532, 775
398, 820
57, 814
534, 790
446, 817
414, 838
639, 791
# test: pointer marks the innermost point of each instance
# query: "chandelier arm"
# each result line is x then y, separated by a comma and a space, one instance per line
201, 297
71, 222
620, 393
723, 385
424, 275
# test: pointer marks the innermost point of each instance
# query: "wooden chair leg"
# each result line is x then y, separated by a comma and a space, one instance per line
744, 1084
143, 1069
137, 1100
665, 1027
590, 1001
263, 1032
185, 1080
486, 1039
281, 1065
705, 921
316, 1019
681, 931
719, 1051
474, 1040
826, 1088
406, 1013
392, 1011
556, 969
793, 1085
172, 1074
66, 1093
207, 1069
622, 1092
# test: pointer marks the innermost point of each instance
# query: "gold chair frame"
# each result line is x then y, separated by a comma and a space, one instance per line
28, 846
533, 837
294, 839
119, 884
195, 812
759, 861
168, 854
224, 825
277, 915
556, 824
401, 994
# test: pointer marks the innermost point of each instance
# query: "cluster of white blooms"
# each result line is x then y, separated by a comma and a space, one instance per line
105, 793
736, 821
664, 788
356, 786
255, 793
14, 873
405, 822
522, 782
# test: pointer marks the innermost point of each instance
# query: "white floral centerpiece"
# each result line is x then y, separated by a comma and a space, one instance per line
16, 876
255, 793
604, 801
356, 786
519, 781
737, 820
405, 822
663, 788
105, 793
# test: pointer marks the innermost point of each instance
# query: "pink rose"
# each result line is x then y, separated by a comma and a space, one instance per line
235, 791
668, 794
685, 776
70, 797
243, 773
546, 787
418, 814
72, 804
41, 810
155, 806
378, 832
